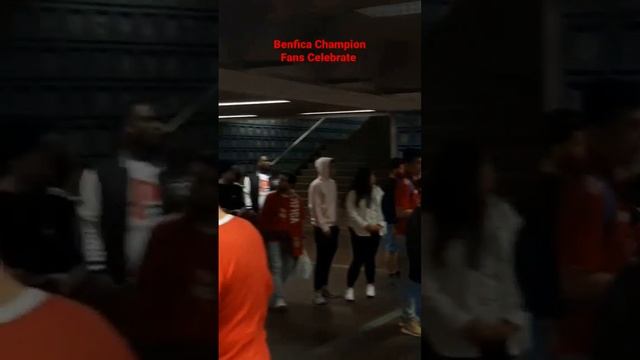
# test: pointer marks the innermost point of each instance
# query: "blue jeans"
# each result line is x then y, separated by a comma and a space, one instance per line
282, 265
412, 309
390, 240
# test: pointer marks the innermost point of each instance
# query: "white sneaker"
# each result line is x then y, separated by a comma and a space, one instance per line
280, 304
371, 291
349, 295
318, 299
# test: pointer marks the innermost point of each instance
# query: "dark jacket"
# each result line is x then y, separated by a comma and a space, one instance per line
113, 179
389, 200
254, 191
535, 260
41, 233
616, 331
231, 197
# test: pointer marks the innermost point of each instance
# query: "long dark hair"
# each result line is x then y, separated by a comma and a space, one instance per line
362, 186
455, 200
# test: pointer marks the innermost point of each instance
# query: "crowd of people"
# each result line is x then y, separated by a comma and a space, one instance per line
93, 264
549, 277
550, 273
265, 205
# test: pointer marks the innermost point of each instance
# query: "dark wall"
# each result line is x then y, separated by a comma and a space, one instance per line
482, 77
77, 65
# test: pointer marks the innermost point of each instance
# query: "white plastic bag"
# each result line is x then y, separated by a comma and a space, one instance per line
304, 267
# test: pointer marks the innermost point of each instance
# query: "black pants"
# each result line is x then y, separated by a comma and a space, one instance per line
365, 249
326, 247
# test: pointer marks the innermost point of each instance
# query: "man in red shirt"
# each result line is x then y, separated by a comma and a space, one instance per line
407, 200
281, 221
595, 239
176, 280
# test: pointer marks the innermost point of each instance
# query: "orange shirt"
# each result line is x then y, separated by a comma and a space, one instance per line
244, 289
60, 329
586, 242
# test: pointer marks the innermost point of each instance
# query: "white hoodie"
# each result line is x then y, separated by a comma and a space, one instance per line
323, 197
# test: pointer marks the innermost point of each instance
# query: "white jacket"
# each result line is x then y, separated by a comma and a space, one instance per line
323, 197
360, 216
455, 293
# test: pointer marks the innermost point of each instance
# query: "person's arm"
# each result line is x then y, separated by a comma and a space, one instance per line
246, 189
316, 203
515, 317
90, 211
436, 301
378, 210
352, 211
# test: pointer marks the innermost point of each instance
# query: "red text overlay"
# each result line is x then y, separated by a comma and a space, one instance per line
319, 51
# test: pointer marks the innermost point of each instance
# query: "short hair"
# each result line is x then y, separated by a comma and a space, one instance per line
607, 100
410, 155
224, 166
291, 177
396, 163
561, 124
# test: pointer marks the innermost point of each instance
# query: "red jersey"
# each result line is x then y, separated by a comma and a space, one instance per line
407, 198
588, 241
282, 219
244, 290
176, 284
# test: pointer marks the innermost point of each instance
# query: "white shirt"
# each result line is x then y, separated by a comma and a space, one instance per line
264, 188
455, 293
360, 216
144, 211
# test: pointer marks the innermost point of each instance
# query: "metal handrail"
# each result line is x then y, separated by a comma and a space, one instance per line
190, 110
300, 138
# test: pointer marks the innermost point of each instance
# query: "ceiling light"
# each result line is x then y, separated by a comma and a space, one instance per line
265, 102
338, 112
406, 8
236, 116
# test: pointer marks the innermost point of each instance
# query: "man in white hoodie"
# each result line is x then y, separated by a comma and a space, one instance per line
323, 199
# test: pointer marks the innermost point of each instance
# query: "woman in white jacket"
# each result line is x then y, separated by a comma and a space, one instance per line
472, 304
366, 225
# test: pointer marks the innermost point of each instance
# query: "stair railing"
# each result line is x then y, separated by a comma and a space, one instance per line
299, 140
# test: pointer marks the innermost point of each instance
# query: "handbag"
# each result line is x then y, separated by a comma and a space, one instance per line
304, 267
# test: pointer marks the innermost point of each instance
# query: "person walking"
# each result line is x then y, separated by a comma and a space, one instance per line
281, 221
366, 226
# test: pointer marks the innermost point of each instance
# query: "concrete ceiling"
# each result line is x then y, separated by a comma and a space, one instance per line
386, 77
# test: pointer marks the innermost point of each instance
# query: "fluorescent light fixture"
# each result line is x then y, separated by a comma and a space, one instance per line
401, 9
236, 116
242, 103
338, 112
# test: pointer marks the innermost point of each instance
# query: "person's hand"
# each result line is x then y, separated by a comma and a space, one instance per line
373, 228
